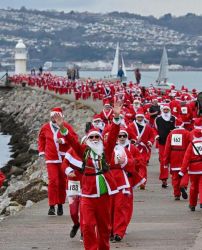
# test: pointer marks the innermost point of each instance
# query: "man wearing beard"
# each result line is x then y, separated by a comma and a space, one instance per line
52, 148
97, 181
164, 123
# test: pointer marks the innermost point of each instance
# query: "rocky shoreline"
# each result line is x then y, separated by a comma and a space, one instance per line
23, 111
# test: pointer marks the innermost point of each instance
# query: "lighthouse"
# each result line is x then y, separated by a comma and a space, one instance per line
20, 58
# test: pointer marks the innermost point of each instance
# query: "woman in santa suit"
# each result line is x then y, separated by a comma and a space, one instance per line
97, 181
192, 163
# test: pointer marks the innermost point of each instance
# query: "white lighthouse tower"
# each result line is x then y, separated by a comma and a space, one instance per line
20, 58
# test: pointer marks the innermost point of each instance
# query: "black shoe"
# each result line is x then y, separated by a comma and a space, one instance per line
184, 193
177, 198
60, 210
164, 184
74, 231
200, 205
192, 208
51, 210
117, 238
111, 238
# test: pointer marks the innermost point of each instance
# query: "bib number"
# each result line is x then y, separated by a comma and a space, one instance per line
176, 140
74, 188
198, 145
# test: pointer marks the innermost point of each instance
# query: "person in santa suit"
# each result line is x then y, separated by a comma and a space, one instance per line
143, 137
119, 172
192, 163
135, 107
134, 178
98, 183
186, 114
52, 148
176, 145
107, 113
163, 124
71, 165
175, 107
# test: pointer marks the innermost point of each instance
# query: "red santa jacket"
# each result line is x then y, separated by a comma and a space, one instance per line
90, 179
106, 116
144, 138
175, 108
176, 145
48, 143
119, 172
192, 160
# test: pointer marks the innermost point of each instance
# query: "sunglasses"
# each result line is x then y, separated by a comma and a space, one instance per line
94, 137
124, 136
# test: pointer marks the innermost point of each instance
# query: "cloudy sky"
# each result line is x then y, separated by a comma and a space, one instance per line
143, 7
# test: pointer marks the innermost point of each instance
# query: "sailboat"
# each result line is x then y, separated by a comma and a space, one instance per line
117, 62
162, 80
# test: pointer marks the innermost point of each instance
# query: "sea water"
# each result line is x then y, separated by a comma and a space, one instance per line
4, 149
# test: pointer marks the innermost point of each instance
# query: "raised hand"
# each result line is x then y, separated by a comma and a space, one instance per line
59, 120
117, 108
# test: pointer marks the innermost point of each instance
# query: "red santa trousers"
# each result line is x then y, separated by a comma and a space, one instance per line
56, 184
178, 182
119, 220
74, 204
195, 189
129, 207
163, 170
96, 222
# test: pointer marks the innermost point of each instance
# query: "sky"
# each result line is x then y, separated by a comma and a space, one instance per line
143, 7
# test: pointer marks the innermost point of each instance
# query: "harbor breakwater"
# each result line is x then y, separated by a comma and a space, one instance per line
22, 112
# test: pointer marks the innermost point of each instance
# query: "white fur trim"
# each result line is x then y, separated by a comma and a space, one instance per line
73, 160
175, 169
68, 170
52, 113
194, 172
94, 133
180, 173
140, 183
41, 153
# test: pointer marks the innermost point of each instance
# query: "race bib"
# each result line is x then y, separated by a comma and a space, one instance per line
176, 140
74, 188
184, 110
198, 145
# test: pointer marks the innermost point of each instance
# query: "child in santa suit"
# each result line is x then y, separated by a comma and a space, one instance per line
71, 166
192, 163
176, 145
52, 148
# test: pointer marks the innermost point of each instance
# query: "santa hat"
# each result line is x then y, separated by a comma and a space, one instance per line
94, 131
165, 106
198, 123
56, 110
140, 114
194, 91
197, 133
179, 122
123, 130
96, 117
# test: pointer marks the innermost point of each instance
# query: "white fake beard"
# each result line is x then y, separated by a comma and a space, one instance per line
142, 123
136, 107
97, 147
166, 116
